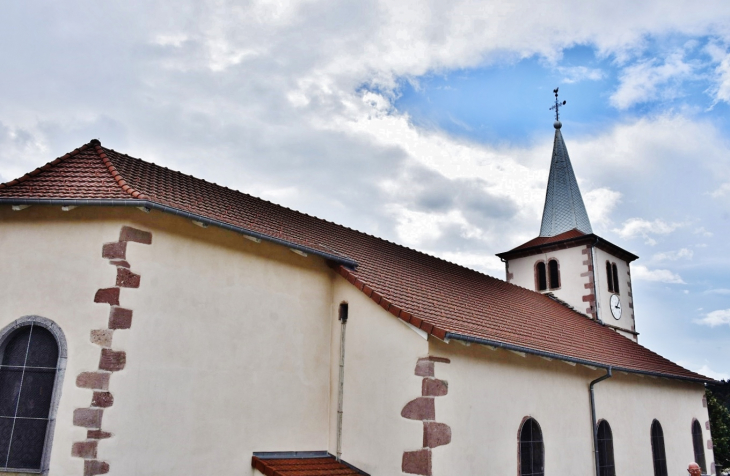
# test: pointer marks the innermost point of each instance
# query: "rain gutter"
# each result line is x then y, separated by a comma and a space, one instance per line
566, 358
66, 202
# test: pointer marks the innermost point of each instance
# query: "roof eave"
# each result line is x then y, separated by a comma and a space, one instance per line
348, 262
562, 244
566, 358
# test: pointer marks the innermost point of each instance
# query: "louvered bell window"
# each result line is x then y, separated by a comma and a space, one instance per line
27, 379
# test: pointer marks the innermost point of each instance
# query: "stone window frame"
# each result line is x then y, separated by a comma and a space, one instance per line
698, 445
655, 449
537, 276
519, 443
547, 269
612, 277
598, 449
60, 337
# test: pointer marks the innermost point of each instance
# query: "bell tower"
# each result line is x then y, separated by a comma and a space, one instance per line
567, 261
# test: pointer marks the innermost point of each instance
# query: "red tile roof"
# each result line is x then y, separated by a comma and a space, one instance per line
544, 240
566, 239
434, 295
327, 466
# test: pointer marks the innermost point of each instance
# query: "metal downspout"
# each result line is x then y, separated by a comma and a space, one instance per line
341, 382
593, 416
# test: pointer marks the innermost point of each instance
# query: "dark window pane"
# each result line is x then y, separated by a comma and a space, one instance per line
17, 347
43, 350
541, 277
9, 390
35, 398
554, 274
6, 426
615, 278
699, 448
532, 454
26, 449
657, 449
609, 277
27, 379
605, 450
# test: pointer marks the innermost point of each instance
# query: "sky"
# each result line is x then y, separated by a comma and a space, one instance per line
425, 123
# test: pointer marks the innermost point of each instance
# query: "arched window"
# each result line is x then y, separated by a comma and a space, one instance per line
657, 449
29, 363
615, 278
697, 443
604, 441
609, 276
541, 277
532, 449
554, 274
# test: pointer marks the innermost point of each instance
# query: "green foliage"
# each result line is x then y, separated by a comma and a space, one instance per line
720, 428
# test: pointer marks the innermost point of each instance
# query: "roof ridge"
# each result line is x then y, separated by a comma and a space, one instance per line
45, 167
114, 172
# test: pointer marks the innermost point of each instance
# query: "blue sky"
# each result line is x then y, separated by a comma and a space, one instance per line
425, 124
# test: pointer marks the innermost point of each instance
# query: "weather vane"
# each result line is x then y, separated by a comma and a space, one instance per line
557, 105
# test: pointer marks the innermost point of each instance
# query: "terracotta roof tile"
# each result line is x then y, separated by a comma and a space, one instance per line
437, 296
544, 240
327, 466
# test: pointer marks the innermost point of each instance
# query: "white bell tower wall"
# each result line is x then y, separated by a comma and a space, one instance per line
575, 281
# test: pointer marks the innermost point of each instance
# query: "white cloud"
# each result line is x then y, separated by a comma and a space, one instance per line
718, 291
600, 202
634, 227
683, 253
716, 318
641, 82
575, 74
642, 273
708, 372
721, 191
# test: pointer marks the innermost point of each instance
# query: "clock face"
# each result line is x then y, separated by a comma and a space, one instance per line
615, 306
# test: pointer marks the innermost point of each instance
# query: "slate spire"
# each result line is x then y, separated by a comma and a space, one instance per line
564, 208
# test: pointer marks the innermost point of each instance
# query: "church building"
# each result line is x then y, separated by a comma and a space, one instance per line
152, 323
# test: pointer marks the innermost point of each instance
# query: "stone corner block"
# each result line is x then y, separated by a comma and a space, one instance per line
129, 233
421, 408
107, 296
112, 360
85, 449
94, 467
127, 279
424, 368
436, 434
417, 462
88, 417
432, 387
116, 250
120, 318
93, 380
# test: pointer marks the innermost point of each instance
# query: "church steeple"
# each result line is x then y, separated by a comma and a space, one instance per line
564, 209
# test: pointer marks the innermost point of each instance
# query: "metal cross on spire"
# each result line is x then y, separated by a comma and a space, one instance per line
557, 105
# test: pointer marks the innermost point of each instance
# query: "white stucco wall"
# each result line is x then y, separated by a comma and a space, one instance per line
380, 359
572, 284
228, 351
491, 391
